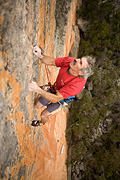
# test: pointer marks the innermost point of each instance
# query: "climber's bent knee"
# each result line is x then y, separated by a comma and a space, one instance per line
45, 114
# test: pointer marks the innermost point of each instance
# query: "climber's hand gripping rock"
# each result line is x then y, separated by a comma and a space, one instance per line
34, 87
38, 52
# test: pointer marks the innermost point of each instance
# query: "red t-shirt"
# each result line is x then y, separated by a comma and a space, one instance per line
67, 84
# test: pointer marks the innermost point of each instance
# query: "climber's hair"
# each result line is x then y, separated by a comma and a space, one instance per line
89, 71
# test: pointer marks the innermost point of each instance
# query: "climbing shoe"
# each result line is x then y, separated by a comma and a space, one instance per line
37, 123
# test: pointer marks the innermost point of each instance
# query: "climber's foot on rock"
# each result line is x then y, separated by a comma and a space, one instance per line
37, 123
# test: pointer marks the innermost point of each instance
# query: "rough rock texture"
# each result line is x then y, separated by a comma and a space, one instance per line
27, 152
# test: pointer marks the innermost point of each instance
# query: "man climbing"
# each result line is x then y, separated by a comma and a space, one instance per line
70, 81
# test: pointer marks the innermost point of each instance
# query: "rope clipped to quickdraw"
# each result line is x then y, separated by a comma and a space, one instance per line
49, 83
47, 71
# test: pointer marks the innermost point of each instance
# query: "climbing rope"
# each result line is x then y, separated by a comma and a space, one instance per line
47, 71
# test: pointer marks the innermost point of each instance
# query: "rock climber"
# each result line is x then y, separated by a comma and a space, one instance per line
70, 81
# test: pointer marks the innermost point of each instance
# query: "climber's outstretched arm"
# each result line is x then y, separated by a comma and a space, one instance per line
45, 59
48, 60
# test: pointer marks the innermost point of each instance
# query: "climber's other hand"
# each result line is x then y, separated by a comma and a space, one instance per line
34, 87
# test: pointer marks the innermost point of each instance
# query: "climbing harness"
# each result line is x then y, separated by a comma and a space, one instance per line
68, 100
65, 102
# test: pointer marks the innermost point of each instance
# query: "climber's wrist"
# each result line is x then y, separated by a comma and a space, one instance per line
41, 56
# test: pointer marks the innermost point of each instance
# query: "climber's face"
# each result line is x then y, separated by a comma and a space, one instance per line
78, 64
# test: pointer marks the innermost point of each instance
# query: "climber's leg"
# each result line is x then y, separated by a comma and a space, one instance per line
52, 108
44, 116
41, 102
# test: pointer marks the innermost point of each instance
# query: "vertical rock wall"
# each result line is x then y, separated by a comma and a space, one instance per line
27, 152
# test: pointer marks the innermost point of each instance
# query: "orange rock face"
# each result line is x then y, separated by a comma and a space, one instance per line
29, 153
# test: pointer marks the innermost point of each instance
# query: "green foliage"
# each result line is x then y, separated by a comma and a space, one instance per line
76, 152
102, 36
101, 40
